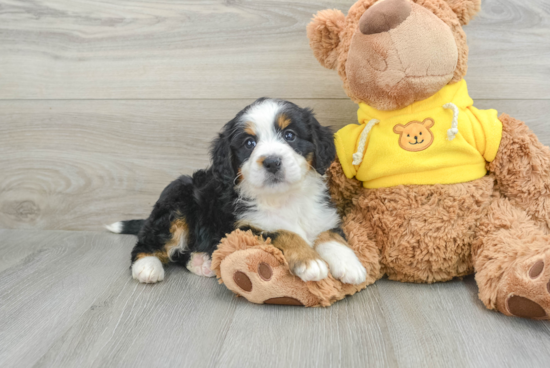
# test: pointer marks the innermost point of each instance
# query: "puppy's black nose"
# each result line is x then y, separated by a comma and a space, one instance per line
272, 164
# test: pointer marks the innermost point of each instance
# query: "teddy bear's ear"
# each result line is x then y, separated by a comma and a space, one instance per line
324, 36
465, 9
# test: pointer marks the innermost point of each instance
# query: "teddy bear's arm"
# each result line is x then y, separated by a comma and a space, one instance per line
342, 189
522, 170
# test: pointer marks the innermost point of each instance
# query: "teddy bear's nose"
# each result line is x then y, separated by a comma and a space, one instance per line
384, 15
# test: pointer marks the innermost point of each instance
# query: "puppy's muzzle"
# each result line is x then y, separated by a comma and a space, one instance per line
272, 164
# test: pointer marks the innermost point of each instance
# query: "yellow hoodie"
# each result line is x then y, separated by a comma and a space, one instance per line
419, 144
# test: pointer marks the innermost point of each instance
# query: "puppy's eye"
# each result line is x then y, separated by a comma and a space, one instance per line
250, 143
290, 136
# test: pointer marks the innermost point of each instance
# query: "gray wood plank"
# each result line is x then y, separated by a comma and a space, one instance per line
446, 325
78, 165
351, 333
49, 288
179, 322
228, 49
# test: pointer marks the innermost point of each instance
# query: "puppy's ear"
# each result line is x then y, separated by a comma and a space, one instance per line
324, 36
465, 9
222, 157
323, 139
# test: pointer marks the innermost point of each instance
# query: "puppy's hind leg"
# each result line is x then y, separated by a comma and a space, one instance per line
157, 246
200, 263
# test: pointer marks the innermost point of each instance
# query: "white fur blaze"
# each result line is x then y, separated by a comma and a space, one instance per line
115, 228
344, 264
315, 270
148, 270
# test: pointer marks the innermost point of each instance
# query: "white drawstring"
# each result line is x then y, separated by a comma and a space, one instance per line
451, 133
358, 156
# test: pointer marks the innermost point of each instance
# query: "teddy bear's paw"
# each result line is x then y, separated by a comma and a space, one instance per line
263, 278
344, 264
312, 270
525, 290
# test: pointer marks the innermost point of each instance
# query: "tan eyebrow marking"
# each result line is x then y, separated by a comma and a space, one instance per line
249, 128
283, 121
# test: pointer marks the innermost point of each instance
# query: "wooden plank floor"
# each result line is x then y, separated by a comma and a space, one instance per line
103, 103
67, 299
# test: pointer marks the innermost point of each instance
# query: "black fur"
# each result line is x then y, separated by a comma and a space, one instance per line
325, 150
340, 232
206, 200
131, 227
203, 202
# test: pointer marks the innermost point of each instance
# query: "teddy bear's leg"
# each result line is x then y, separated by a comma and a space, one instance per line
263, 277
512, 261
259, 272
251, 267
522, 170
342, 189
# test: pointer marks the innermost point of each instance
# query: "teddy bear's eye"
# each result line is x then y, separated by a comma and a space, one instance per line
420, 133
408, 135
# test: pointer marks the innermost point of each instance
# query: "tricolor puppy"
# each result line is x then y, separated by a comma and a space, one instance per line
266, 176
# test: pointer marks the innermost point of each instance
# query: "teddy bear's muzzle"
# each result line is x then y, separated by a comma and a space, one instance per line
384, 15
400, 53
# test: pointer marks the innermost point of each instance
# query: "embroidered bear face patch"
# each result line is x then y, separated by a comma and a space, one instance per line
415, 136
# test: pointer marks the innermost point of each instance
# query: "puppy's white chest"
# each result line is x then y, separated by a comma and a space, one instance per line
305, 218
273, 220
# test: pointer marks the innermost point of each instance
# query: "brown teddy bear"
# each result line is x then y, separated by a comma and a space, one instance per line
430, 188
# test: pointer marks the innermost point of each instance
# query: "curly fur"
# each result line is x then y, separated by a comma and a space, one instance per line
324, 36
523, 168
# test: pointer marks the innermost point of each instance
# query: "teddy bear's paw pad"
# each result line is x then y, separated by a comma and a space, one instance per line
200, 264
285, 300
265, 271
525, 308
528, 291
242, 281
536, 269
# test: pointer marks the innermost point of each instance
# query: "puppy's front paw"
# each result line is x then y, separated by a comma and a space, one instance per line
148, 270
344, 264
313, 270
302, 259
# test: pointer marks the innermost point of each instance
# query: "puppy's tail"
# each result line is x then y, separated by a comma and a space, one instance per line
131, 227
